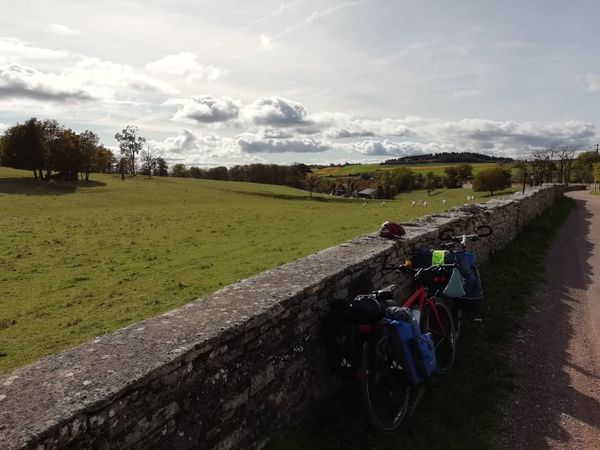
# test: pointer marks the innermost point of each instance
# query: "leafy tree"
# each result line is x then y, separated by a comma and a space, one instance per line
25, 145
64, 155
312, 181
130, 144
492, 180
431, 182
582, 167
89, 146
596, 172
465, 172
452, 179
162, 168
179, 170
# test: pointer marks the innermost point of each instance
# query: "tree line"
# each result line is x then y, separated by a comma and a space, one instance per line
294, 175
45, 146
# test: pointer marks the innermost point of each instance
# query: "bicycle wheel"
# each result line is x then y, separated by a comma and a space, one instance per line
442, 332
385, 394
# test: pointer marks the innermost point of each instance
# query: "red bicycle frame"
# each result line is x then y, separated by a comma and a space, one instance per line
420, 297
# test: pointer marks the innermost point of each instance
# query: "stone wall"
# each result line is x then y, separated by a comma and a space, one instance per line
229, 370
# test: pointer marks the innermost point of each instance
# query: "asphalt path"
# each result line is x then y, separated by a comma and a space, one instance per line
556, 356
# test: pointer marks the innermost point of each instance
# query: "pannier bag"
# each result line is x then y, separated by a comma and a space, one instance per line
364, 309
413, 351
343, 342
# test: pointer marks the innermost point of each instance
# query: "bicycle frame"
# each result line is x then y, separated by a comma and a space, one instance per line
420, 298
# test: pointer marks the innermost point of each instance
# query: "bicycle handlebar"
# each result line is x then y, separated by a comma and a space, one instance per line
480, 231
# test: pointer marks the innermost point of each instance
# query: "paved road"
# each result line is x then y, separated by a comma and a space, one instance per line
557, 355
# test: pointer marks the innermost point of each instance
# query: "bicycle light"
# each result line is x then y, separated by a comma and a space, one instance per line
408, 263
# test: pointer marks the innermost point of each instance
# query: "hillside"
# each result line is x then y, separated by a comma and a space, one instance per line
359, 169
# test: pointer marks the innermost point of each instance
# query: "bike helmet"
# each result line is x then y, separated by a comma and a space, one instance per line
391, 230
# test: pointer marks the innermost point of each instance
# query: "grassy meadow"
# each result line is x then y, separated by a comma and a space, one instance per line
437, 169
80, 260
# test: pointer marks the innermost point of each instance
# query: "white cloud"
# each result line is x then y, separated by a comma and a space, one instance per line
13, 49
205, 108
19, 81
201, 149
61, 29
592, 82
275, 111
185, 64
252, 143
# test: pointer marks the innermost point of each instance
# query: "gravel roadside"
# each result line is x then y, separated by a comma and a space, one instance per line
556, 355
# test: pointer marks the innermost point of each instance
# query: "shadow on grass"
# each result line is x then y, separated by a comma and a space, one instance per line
465, 411
29, 186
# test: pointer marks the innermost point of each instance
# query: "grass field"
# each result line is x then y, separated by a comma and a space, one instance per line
79, 261
465, 411
436, 168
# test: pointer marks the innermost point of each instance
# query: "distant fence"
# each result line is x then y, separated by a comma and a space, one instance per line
229, 370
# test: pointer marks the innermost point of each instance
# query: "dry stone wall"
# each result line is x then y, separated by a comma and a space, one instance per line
229, 370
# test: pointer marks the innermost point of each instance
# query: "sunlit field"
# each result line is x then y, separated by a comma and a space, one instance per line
79, 261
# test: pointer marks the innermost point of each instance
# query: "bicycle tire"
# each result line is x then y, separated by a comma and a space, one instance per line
444, 340
385, 395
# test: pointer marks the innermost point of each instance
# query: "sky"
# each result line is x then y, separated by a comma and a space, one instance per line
229, 82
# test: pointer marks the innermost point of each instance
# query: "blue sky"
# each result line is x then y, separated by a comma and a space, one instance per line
233, 82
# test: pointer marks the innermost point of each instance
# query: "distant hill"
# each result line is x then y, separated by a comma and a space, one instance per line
453, 157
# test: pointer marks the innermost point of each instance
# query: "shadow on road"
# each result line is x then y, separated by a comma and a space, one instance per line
549, 400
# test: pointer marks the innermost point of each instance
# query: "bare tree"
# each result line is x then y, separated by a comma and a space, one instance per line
148, 158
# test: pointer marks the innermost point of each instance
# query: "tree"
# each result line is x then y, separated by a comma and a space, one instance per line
312, 181
148, 159
465, 172
130, 144
431, 182
582, 167
452, 179
596, 172
25, 145
179, 170
493, 179
521, 167
64, 155
89, 146
162, 168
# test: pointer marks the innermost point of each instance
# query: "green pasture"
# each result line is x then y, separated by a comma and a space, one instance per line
436, 168
80, 260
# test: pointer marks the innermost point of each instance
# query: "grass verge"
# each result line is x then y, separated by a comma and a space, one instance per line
465, 411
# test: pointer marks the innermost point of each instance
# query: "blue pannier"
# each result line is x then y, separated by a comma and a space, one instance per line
413, 351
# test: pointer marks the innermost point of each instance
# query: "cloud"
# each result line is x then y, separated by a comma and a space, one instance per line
251, 143
509, 136
467, 93
61, 29
275, 111
592, 82
16, 50
201, 149
18, 81
391, 148
205, 108
185, 64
